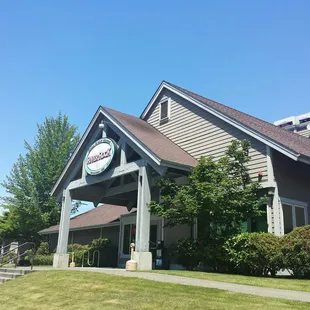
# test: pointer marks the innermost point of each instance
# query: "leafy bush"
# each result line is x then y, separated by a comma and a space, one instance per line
78, 250
187, 253
255, 254
296, 251
214, 256
43, 260
43, 249
100, 243
75, 247
8, 257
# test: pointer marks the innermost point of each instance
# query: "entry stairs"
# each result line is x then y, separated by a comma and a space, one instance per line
7, 274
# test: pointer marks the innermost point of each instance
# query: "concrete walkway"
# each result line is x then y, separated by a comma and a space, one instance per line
237, 288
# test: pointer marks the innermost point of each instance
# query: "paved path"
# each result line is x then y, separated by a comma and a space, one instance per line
238, 288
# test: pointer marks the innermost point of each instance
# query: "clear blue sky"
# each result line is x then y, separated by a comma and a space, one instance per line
76, 55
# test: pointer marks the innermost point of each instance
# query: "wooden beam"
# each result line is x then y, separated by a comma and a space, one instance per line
121, 189
113, 173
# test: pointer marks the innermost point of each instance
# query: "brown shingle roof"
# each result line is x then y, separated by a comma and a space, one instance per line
290, 140
101, 215
154, 140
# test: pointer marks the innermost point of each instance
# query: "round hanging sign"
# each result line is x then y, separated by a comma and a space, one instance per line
99, 156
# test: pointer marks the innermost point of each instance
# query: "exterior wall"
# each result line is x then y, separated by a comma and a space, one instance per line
201, 134
292, 178
85, 236
112, 233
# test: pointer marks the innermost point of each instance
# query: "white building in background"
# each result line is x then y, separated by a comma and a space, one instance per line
298, 124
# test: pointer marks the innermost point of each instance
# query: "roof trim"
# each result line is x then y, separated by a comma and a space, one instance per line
102, 111
236, 124
129, 135
82, 140
116, 223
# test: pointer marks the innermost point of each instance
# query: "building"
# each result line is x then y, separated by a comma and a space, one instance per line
100, 222
298, 124
120, 157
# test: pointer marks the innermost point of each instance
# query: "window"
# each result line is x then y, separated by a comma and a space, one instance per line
294, 215
129, 237
164, 111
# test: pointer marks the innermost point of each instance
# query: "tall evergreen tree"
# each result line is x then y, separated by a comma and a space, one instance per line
29, 206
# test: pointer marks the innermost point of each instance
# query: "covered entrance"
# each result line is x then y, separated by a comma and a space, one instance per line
118, 161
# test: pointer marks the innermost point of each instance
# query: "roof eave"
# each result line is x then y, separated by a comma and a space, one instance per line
116, 223
100, 111
171, 164
304, 159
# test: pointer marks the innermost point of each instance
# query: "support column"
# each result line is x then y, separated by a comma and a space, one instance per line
143, 221
274, 209
61, 258
2, 247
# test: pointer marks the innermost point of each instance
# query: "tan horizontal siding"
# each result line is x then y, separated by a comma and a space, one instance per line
305, 133
202, 134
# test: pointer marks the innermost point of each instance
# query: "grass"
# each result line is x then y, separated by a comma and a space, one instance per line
280, 282
87, 290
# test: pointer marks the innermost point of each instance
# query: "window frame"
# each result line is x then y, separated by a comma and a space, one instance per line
293, 204
131, 220
167, 118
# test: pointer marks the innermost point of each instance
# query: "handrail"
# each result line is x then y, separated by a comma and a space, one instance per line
17, 256
88, 258
16, 247
6, 246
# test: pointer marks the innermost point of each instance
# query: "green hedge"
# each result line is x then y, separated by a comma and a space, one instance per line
256, 254
295, 248
187, 253
43, 260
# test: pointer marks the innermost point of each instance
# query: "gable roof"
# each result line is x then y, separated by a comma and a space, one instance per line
162, 150
289, 143
102, 215
154, 140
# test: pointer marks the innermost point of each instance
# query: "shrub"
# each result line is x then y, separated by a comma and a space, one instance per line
100, 243
296, 251
43, 260
214, 256
255, 253
187, 253
78, 250
43, 249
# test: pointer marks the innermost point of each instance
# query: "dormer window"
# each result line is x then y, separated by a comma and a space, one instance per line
164, 111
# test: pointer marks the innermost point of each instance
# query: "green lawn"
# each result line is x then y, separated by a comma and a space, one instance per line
88, 290
282, 283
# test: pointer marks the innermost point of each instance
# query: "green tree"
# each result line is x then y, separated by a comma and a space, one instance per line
220, 194
29, 206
